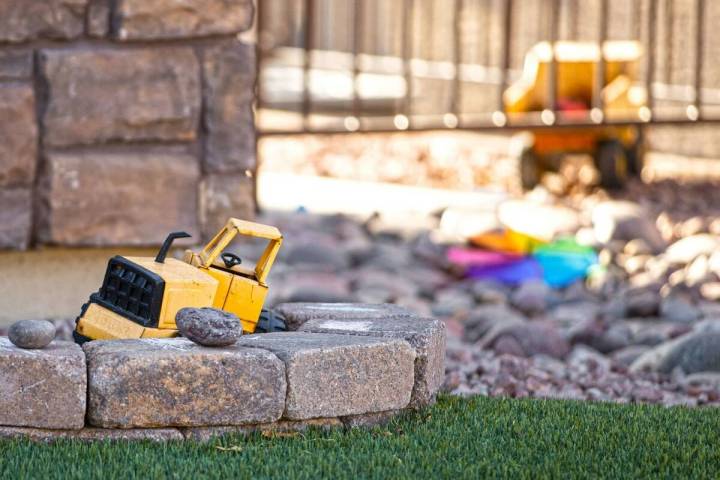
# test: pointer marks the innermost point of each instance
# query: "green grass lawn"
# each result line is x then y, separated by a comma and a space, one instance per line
457, 438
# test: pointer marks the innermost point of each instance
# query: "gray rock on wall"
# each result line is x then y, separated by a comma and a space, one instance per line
142, 19
96, 96
132, 197
42, 388
173, 382
22, 20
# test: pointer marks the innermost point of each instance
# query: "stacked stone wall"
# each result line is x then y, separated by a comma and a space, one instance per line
121, 120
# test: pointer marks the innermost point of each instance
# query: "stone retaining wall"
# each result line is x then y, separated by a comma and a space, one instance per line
121, 120
340, 370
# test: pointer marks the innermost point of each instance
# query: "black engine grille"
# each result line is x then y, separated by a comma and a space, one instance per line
132, 291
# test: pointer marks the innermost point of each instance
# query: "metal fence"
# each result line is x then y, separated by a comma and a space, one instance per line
375, 65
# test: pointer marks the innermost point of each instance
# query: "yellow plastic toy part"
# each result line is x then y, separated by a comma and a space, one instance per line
577, 63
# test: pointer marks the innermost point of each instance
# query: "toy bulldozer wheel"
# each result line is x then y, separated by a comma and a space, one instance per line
270, 321
529, 169
636, 155
612, 163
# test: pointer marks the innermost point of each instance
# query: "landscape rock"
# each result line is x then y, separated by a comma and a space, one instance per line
22, 20
426, 335
135, 198
297, 313
710, 291
587, 359
687, 249
452, 301
31, 334
42, 388
643, 303
532, 338
484, 317
537, 220
228, 92
489, 292
208, 326
15, 217
90, 434
18, 133
331, 375
638, 246
623, 220
676, 309
173, 382
531, 297
693, 352
140, 19
626, 356
155, 95
223, 196
703, 379
318, 255
313, 294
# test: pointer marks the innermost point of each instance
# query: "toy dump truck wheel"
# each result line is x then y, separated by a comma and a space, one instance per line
79, 337
530, 171
270, 321
636, 155
612, 162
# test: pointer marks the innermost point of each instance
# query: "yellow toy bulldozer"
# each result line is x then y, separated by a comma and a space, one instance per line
617, 150
140, 296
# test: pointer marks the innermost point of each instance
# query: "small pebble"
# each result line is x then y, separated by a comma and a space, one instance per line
31, 333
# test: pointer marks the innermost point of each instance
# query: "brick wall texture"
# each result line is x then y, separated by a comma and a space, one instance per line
121, 120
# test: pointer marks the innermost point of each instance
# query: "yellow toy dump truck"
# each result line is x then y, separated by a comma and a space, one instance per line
617, 150
140, 296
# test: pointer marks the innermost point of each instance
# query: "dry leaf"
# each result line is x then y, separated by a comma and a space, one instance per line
271, 434
231, 448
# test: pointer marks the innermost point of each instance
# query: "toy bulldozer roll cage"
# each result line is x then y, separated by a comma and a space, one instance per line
572, 76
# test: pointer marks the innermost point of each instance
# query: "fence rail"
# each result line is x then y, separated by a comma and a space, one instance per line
374, 65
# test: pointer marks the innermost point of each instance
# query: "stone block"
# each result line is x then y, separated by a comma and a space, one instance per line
42, 388
337, 375
23, 20
223, 196
117, 197
141, 19
369, 420
15, 218
426, 335
16, 64
173, 382
18, 134
297, 313
90, 434
228, 92
103, 95
98, 18
204, 434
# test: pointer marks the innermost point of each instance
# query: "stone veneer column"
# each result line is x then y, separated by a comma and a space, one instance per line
135, 120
